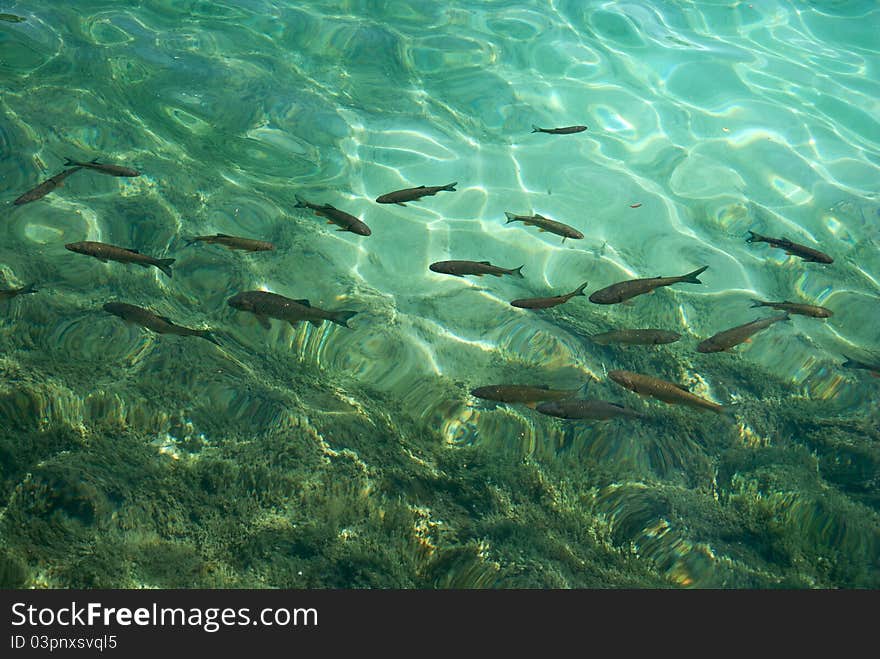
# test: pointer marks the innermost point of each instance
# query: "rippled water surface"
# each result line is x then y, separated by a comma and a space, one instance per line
315, 455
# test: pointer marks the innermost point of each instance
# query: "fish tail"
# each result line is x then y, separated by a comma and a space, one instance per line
342, 317
190, 241
849, 363
518, 271
165, 265
757, 303
300, 202
755, 237
68, 162
450, 187
580, 289
691, 277
510, 217
206, 334
535, 129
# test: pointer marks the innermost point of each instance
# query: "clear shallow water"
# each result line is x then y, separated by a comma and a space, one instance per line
320, 456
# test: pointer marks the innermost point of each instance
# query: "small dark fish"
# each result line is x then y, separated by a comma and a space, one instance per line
112, 170
546, 224
11, 18
519, 393
336, 216
735, 335
586, 409
265, 305
547, 302
794, 307
646, 385
567, 130
478, 268
412, 194
159, 324
636, 337
233, 242
625, 290
793, 249
9, 293
105, 252
45, 187
873, 369
638, 205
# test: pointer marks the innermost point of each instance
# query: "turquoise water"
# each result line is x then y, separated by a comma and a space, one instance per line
320, 456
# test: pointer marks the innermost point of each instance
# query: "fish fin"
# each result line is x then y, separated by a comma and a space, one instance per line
342, 317
580, 289
754, 237
264, 320
222, 235
30, 288
68, 162
518, 271
142, 265
300, 202
191, 241
101, 259
681, 386
166, 319
205, 334
510, 217
748, 340
543, 230
305, 303
450, 187
400, 203
535, 129
314, 321
165, 265
758, 303
93, 161
563, 239
329, 207
691, 277
133, 251
531, 404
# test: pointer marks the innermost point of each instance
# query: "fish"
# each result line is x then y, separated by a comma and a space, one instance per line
112, 170
105, 252
735, 335
797, 308
636, 337
159, 324
335, 216
625, 290
478, 268
574, 408
518, 393
9, 293
793, 249
412, 194
673, 394
546, 224
45, 187
567, 130
547, 302
265, 305
873, 369
233, 242
11, 18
